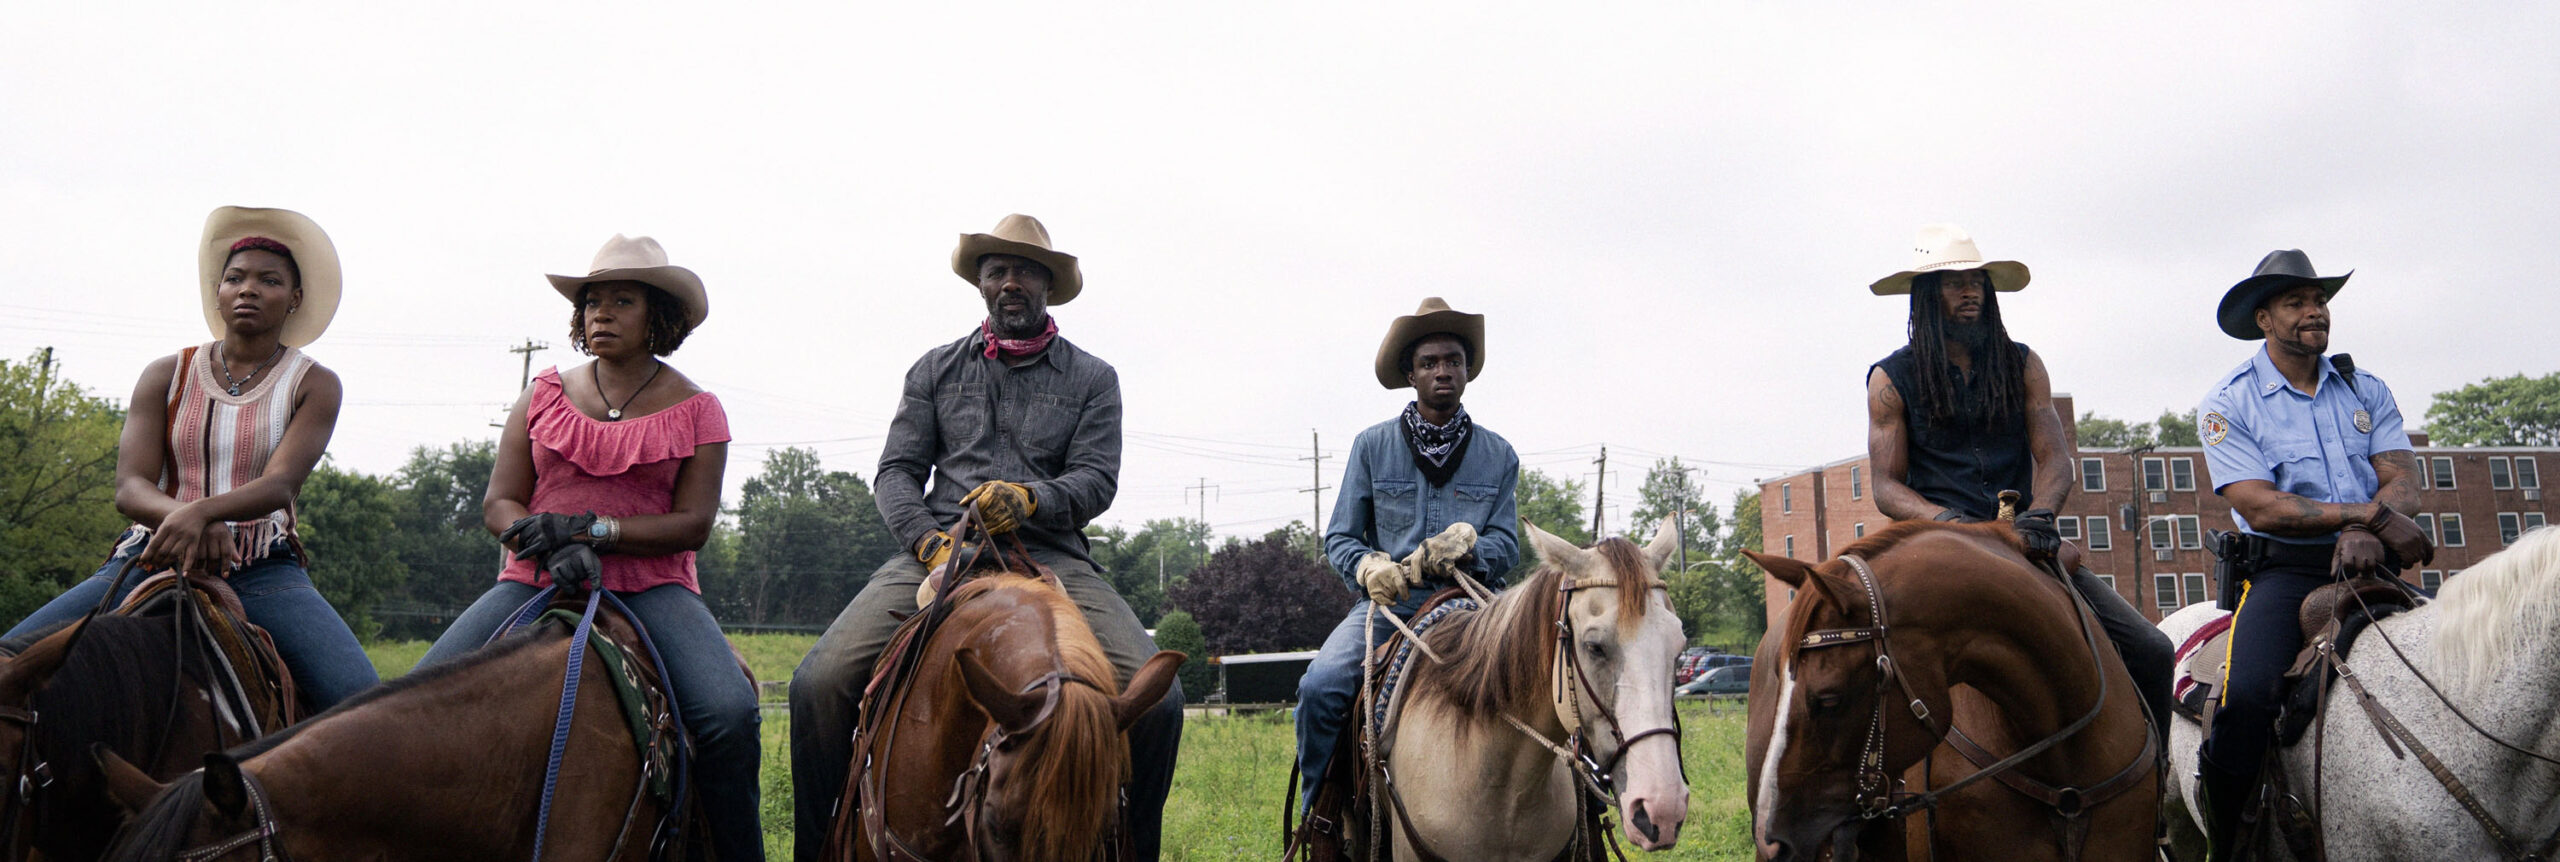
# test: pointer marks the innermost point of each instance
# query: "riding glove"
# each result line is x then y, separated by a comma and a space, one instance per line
2035, 530
574, 566
539, 534
1444, 554
2359, 553
935, 549
1001, 505
1386, 580
2403, 536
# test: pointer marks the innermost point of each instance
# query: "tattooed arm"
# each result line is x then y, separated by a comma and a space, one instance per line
2278, 513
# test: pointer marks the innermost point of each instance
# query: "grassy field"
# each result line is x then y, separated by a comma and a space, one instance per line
1235, 768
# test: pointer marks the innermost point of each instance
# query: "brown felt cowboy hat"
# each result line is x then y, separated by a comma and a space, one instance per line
314, 258
1435, 317
2278, 272
639, 259
1021, 236
1944, 247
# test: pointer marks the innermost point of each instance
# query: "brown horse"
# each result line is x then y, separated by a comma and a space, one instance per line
445, 763
1875, 674
1007, 742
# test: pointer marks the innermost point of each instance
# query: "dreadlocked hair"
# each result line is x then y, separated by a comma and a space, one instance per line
1996, 359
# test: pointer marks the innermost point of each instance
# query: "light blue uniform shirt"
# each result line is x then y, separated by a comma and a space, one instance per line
2255, 425
1387, 505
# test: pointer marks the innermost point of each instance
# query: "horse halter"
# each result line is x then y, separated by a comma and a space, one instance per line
1572, 688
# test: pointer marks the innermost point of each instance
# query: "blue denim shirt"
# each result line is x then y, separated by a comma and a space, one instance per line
2255, 425
1386, 504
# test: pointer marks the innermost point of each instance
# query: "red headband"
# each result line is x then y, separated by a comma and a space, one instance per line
262, 244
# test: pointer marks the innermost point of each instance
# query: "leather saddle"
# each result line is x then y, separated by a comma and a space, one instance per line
2332, 617
249, 661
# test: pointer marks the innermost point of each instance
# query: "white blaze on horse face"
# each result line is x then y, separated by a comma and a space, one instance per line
1651, 778
1777, 751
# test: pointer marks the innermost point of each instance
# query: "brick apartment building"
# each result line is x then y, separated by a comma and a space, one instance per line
2142, 514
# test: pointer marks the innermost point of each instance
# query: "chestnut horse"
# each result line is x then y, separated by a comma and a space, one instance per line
1007, 742
445, 763
1918, 640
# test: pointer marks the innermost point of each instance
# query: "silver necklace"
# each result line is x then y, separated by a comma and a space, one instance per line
612, 413
219, 362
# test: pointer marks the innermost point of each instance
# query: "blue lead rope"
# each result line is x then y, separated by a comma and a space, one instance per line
568, 705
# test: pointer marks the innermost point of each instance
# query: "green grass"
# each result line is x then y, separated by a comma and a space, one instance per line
1235, 768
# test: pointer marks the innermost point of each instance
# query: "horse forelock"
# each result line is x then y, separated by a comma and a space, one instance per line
2499, 608
1635, 577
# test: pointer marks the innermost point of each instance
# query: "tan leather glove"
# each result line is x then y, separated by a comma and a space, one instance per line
1001, 505
1386, 580
1444, 555
935, 549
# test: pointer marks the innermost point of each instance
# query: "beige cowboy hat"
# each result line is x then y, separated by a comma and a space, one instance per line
638, 258
1022, 236
1944, 247
1435, 317
313, 257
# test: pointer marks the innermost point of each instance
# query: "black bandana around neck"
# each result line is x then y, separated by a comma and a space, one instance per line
1437, 449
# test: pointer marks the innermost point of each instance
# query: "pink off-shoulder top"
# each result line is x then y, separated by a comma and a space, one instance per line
620, 468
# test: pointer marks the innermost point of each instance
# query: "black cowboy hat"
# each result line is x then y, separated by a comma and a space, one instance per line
2278, 272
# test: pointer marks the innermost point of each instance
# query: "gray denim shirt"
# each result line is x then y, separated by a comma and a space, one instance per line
1052, 424
1387, 505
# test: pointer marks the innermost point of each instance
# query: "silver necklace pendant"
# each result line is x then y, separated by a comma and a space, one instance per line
610, 413
235, 389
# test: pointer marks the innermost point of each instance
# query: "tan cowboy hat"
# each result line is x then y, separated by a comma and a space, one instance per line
1944, 247
1433, 318
313, 256
638, 258
1022, 236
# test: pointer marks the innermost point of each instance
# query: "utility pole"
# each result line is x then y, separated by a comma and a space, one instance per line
1204, 488
2141, 528
1679, 516
44, 380
1315, 517
1600, 493
528, 348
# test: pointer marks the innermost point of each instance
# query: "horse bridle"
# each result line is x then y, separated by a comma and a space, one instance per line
262, 830
1574, 692
968, 800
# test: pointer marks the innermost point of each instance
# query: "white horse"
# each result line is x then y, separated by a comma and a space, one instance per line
2491, 643
1480, 788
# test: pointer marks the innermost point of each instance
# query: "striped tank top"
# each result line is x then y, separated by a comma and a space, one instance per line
219, 441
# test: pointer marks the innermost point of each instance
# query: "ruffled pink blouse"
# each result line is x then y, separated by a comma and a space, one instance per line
621, 469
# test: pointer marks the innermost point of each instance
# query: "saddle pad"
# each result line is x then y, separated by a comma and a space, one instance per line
2200, 659
1401, 650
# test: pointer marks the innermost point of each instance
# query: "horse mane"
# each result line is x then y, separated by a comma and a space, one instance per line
114, 687
1488, 671
159, 831
1880, 541
1072, 791
2502, 606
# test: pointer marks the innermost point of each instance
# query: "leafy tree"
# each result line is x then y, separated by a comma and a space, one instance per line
808, 540
1180, 633
348, 531
1555, 505
439, 537
1140, 564
1262, 596
1746, 525
57, 484
2499, 411
2177, 429
1667, 489
2100, 432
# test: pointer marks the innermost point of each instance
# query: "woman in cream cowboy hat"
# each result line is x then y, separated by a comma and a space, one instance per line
220, 437
608, 475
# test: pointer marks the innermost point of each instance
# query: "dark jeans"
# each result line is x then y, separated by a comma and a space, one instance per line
826, 694
2146, 651
718, 705
2265, 634
1332, 678
315, 643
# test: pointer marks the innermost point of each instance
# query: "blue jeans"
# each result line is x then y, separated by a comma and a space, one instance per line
1333, 678
315, 643
718, 704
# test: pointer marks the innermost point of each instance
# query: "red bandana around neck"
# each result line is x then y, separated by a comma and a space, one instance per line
1016, 348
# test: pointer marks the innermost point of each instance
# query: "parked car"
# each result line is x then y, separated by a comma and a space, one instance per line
1693, 661
1729, 679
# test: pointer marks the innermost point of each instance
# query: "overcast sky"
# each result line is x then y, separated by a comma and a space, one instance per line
1668, 213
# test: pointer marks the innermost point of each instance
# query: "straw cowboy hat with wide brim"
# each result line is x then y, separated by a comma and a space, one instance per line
1435, 317
638, 258
1021, 236
314, 257
2278, 272
1947, 248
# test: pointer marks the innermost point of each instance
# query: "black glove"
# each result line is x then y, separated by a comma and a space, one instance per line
574, 566
2036, 531
537, 535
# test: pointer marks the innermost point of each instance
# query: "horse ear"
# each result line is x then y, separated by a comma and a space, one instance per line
1146, 688
128, 786
1788, 570
1666, 541
1556, 551
223, 786
1011, 710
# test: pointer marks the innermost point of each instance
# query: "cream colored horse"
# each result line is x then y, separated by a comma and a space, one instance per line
1477, 786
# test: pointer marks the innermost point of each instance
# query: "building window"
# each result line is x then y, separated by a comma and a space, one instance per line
2190, 531
2109, 580
2427, 525
2163, 532
2443, 472
1857, 482
2195, 587
2093, 474
2502, 475
2069, 526
2182, 474
2164, 591
2431, 579
2509, 526
1786, 497
2098, 538
1791, 546
2532, 521
2155, 474
2451, 525
1858, 530
2526, 475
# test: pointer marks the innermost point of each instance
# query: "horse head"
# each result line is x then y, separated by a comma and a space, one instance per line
1614, 671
